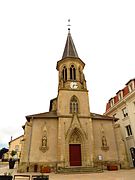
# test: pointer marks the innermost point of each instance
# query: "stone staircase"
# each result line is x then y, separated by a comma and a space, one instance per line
78, 169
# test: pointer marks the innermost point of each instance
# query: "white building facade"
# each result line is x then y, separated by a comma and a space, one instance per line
122, 106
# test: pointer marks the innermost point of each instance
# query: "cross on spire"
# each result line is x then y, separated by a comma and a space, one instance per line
69, 50
69, 25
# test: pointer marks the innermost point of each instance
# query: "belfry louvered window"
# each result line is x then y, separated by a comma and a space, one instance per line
74, 105
72, 73
64, 73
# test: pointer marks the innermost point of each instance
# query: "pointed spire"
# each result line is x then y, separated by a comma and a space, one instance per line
70, 50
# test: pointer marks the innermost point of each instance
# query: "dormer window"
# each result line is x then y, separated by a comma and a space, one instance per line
72, 73
64, 73
130, 87
112, 102
120, 95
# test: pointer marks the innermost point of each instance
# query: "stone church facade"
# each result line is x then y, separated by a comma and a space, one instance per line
69, 135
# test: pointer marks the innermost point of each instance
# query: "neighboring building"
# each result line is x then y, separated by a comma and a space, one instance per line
122, 106
69, 135
15, 145
5, 156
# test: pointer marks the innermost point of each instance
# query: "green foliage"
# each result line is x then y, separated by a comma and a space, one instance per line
3, 151
13, 152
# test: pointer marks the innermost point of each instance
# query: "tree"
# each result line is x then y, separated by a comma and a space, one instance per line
3, 151
13, 152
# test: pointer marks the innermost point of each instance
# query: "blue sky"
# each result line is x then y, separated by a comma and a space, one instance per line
32, 40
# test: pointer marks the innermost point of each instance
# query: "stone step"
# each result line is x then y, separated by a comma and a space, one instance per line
79, 170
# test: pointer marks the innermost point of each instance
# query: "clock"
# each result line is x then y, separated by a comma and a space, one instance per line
73, 85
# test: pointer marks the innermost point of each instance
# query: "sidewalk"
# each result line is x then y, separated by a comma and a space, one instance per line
5, 169
106, 175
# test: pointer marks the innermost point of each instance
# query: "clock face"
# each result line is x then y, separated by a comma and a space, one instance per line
73, 85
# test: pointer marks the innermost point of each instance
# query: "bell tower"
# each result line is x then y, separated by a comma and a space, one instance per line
70, 68
72, 83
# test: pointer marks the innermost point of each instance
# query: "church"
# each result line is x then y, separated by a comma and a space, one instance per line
69, 135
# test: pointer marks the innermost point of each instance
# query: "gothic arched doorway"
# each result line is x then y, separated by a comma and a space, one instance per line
75, 149
75, 154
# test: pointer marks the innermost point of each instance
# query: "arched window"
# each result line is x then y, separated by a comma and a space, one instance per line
74, 105
72, 73
64, 73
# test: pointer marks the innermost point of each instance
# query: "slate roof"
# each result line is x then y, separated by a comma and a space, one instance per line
51, 114
70, 50
102, 117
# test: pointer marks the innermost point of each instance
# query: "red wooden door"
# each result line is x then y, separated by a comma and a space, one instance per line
75, 154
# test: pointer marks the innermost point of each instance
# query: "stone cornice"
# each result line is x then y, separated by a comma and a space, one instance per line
81, 90
121, 102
